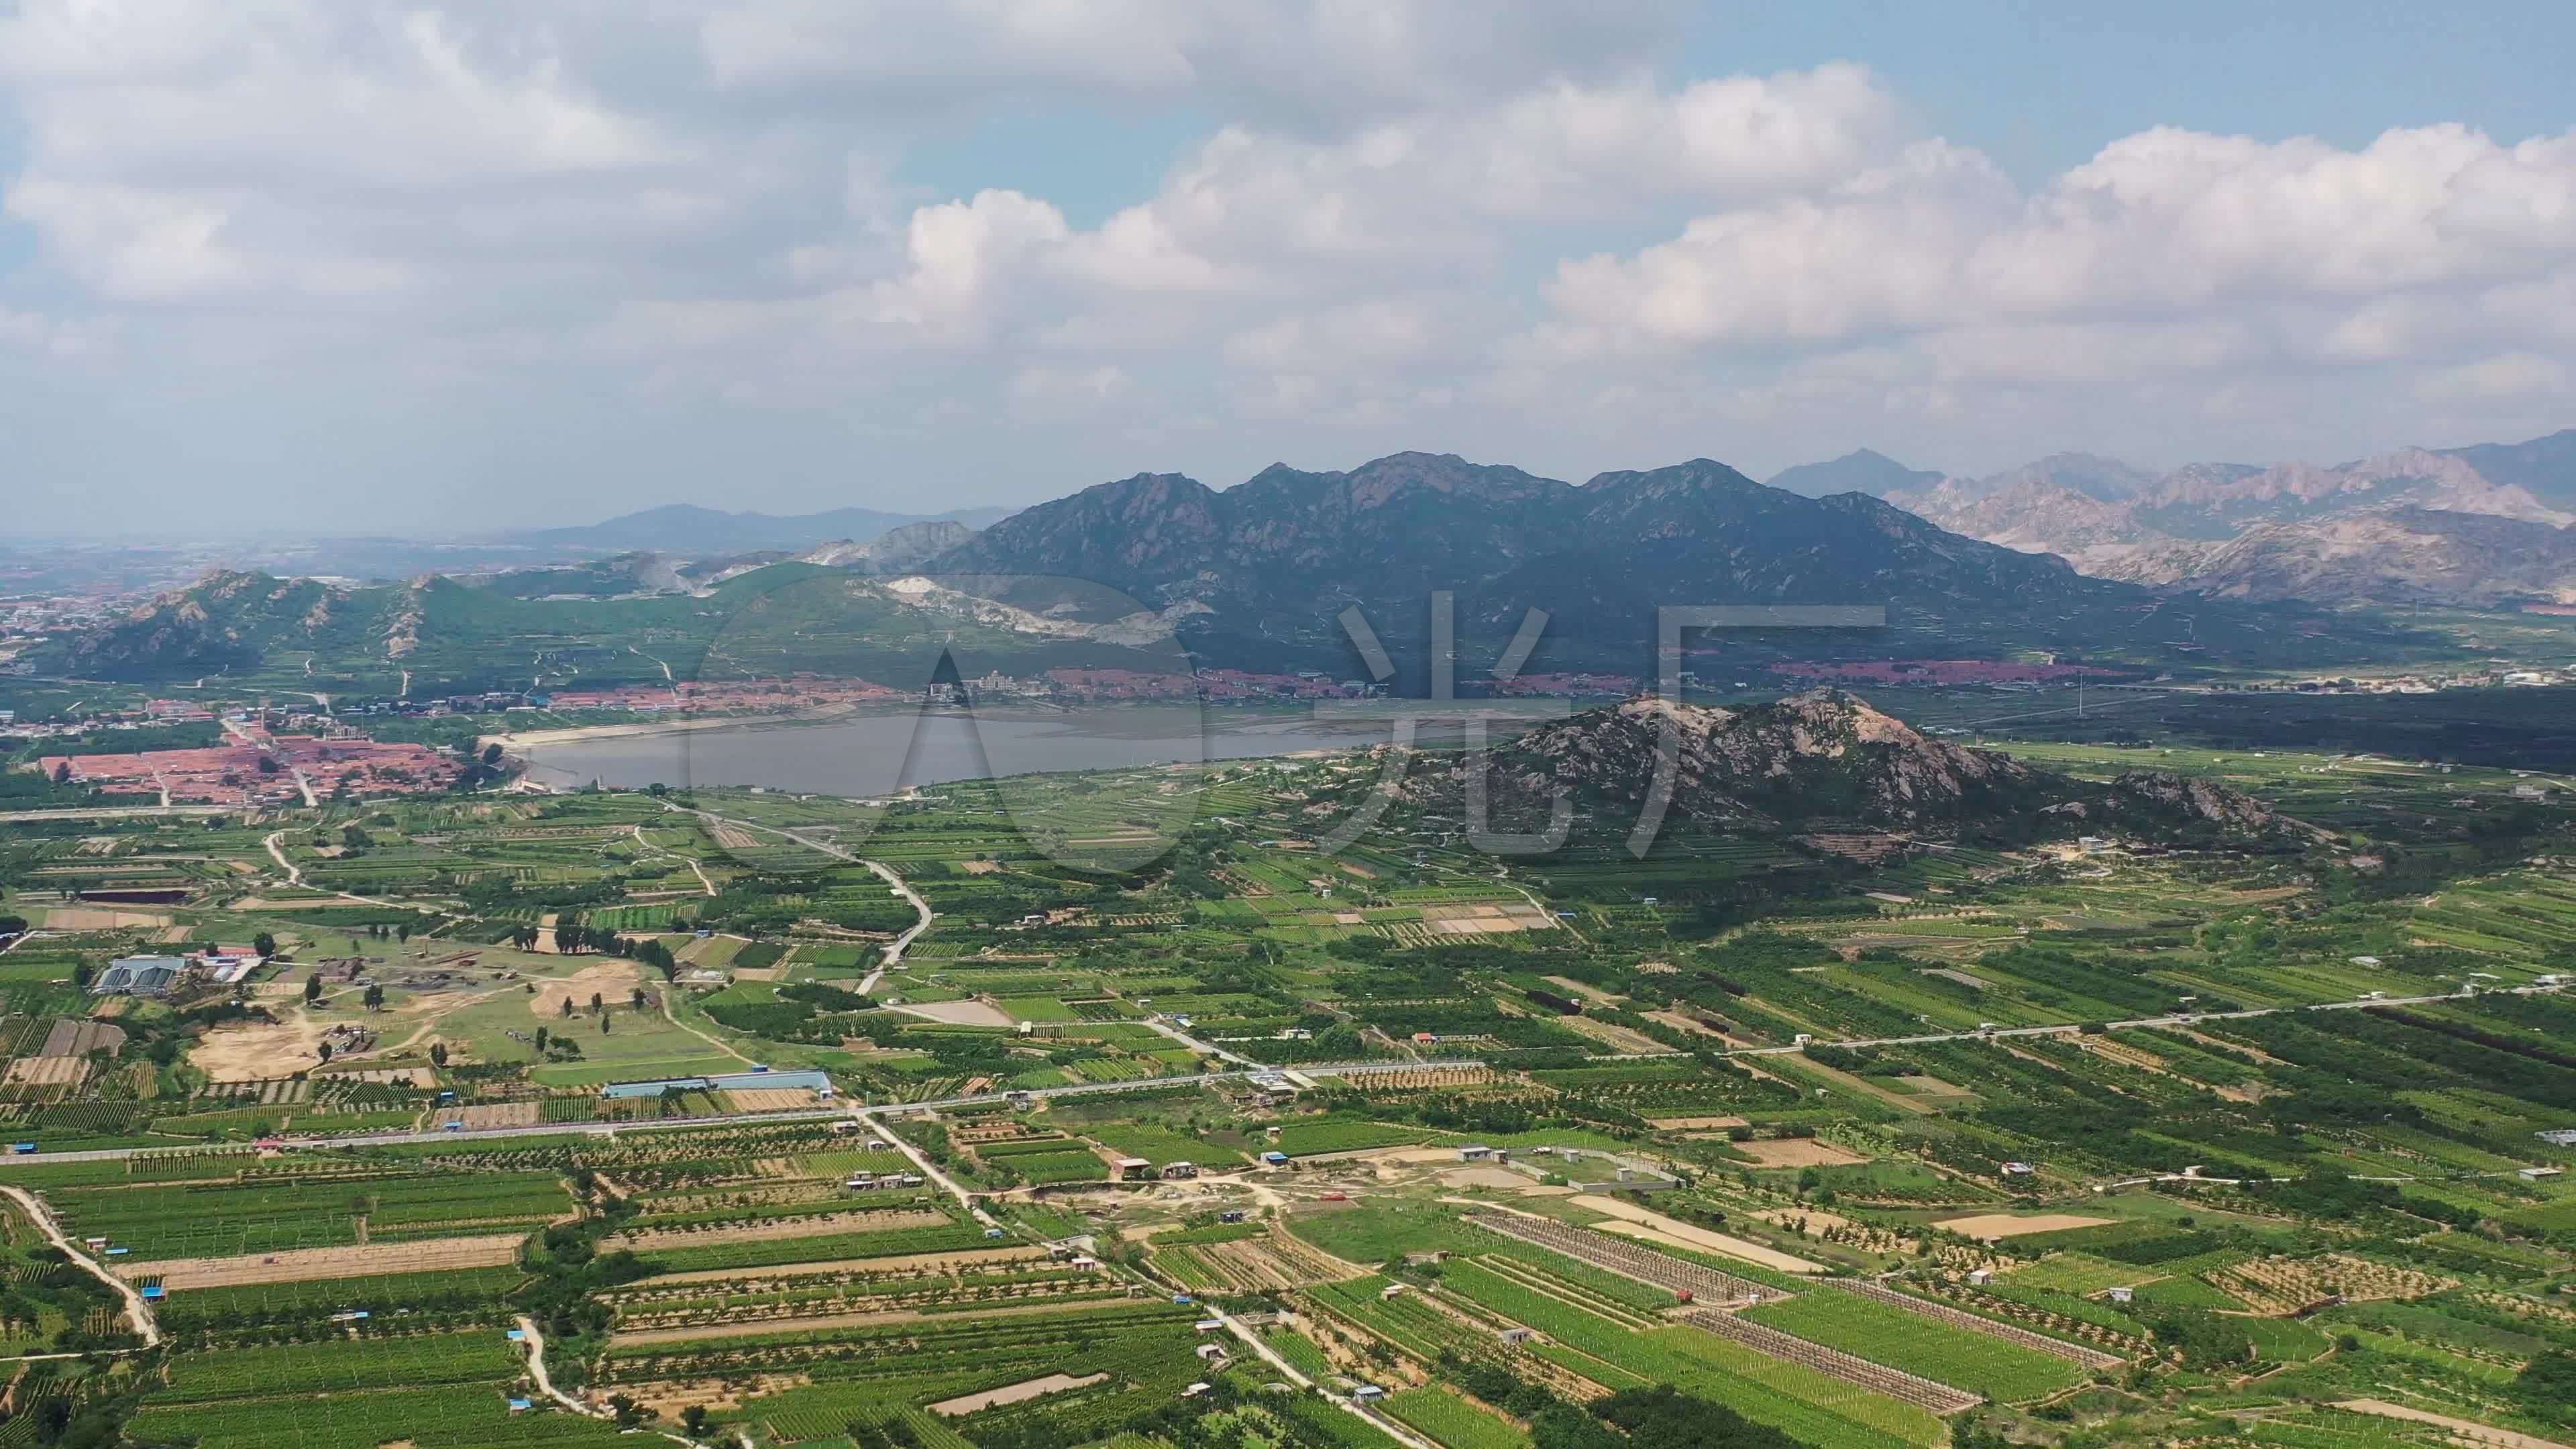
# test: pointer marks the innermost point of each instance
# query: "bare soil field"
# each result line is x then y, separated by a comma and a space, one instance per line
1502, 1177
770, 1099
612, 980
1648, 1225
1994, 1227
1798, 1152
2470, 1430
47, 1071
1014, 1393
776, 1229
298, 1265
258, 1051
495, 1114
1696, 1124
70, 1038
961, 1013
94, 918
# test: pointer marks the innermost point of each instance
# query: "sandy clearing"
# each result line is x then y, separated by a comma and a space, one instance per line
1014, 1393
299, 1265
2465, 1428
1640, 1222
1502, 1177
258, 1051
1695, 1124
1994, 1227
1798, 1152
961, 1013
611, 979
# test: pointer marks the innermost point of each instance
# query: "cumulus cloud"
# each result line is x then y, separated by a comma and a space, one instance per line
2165, 237
1394, 230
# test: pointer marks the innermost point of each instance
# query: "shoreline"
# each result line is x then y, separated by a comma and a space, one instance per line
1246, 719
516, 741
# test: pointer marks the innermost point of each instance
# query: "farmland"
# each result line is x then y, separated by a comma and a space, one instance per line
1847, 1140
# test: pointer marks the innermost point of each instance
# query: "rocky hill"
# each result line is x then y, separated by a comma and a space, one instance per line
1825, 757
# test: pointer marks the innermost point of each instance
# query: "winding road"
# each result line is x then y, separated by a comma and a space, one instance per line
135, 1308
894, 949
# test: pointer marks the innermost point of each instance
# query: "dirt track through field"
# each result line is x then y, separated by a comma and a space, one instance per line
753, 1327
775, 1229
300, 1265
962, 1257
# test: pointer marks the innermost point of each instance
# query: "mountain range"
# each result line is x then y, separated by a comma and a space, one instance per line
2479, 526
1267, 567
695, 532
1263, 576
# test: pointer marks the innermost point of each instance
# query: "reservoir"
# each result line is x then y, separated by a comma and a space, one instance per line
880, 753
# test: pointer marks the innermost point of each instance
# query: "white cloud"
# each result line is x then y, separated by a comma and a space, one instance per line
2159, 229
2505, 376
1405, 229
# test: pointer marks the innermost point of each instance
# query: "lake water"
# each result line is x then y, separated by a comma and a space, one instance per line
878, 754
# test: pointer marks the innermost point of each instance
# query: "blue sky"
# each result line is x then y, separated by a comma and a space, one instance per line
367, 265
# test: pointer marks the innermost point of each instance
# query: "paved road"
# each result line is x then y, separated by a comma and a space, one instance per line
135, 1308
2180, 1018
810, 1114
1205, 1048
118, 812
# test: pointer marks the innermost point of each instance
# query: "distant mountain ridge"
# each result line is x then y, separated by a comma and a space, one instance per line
2322, 534
686, 528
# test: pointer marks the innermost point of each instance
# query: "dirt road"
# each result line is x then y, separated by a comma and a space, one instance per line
136, 1309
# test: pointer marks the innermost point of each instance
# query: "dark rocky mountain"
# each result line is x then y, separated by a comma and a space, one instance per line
1278, 557
692, 531
1863, 471
1818, 757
